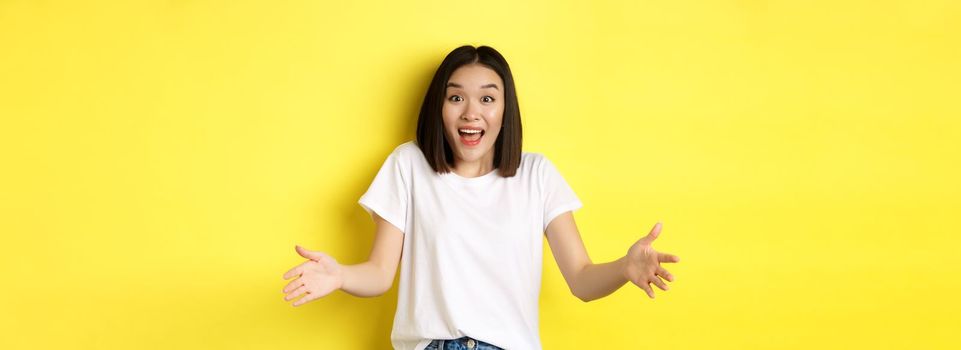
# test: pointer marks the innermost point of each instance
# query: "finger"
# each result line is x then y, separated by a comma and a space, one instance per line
667, 258
664, 274
296, 270
293, 285
296, 293
651, 236
659, 283
306, 299
309, 254
646, 287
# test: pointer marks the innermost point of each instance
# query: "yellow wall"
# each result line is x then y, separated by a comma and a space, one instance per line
160, 159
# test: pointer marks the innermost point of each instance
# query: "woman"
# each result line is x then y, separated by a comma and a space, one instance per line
462, 211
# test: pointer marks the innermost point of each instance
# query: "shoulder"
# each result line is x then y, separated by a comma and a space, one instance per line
407, 152
534, 163
532, 158
407, 147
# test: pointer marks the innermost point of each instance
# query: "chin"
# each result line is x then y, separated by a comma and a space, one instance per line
471, 154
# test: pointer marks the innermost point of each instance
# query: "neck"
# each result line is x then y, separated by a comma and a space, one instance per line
476, 168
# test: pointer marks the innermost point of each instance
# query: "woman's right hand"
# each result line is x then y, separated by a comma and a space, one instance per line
315, 278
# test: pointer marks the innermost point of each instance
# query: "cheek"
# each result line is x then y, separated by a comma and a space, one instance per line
446, 113
496, 116
449, 115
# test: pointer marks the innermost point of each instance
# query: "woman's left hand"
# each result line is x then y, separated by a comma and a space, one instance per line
642, 265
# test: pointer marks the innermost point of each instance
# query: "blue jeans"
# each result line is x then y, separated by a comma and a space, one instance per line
462, 343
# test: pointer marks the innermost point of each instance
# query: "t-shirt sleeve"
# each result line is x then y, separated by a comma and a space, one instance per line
388, 193
557, 194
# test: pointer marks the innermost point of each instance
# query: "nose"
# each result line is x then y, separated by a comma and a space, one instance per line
472, 112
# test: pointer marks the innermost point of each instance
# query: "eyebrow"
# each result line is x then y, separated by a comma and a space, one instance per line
456, 85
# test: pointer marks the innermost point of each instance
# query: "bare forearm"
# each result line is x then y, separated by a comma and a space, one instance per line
365, 280
596, 281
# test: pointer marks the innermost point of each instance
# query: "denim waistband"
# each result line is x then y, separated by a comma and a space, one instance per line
462, 343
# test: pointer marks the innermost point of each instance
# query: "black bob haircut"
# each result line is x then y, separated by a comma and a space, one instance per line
430, 124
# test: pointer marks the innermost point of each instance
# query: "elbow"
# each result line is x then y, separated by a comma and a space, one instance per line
374, 292
386, 280
383, 290
388, 283
581, 296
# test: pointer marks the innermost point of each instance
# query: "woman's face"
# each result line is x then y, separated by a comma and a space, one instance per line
473, 112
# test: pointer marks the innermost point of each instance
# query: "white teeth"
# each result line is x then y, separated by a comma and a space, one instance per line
469, 131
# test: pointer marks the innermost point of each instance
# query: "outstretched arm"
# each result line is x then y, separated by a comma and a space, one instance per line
321, 274
589, 281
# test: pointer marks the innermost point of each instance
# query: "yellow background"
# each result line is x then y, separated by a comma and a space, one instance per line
160, 159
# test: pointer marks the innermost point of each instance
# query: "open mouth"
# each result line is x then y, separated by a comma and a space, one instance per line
470, 136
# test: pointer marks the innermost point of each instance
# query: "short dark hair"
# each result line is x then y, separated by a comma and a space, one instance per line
430, 123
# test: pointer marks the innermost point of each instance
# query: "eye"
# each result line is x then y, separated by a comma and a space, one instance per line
455, 98
487, 99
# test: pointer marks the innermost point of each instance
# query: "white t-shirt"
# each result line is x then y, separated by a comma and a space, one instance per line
471, 261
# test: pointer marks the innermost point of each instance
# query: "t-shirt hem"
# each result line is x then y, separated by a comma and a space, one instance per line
390, 217
573, 206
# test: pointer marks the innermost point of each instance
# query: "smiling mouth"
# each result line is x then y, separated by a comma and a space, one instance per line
470, 137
